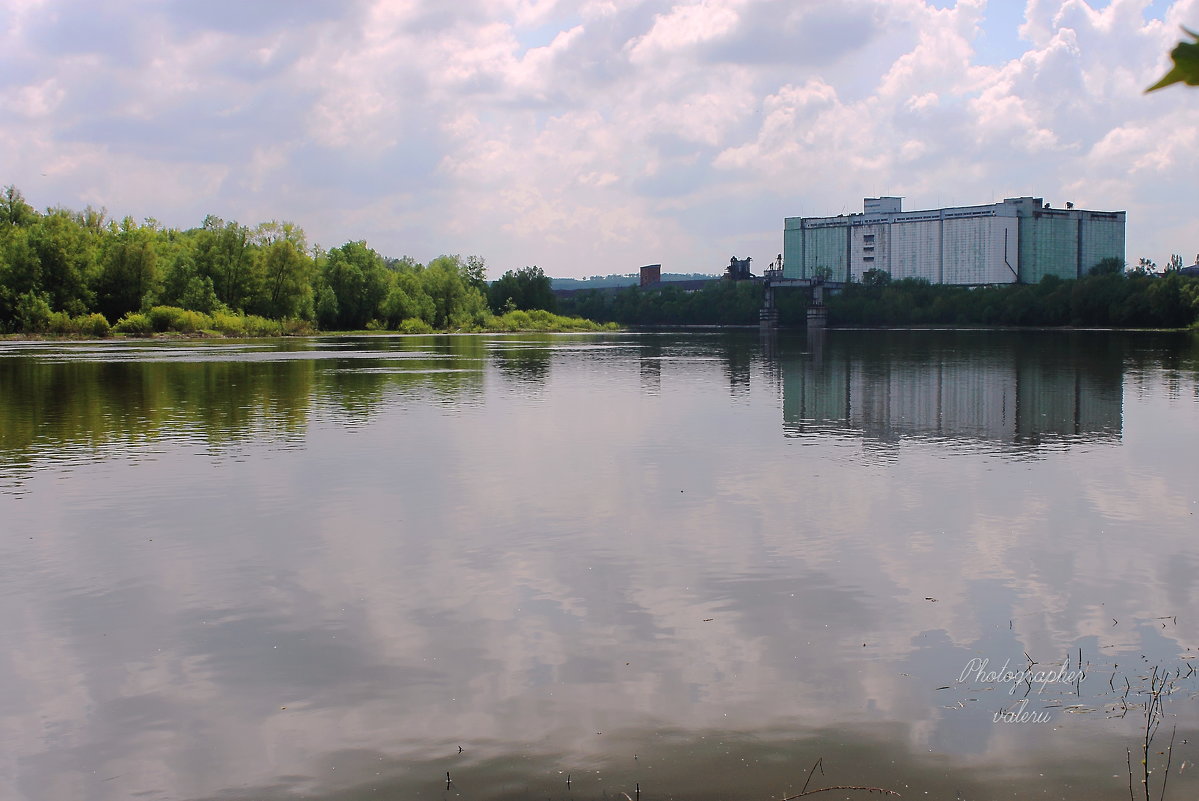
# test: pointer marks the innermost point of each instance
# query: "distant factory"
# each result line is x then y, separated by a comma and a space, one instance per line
1020, 240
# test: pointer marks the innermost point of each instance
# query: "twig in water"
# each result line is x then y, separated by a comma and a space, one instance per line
1169, 759
881, 790
820, 764
1128, 758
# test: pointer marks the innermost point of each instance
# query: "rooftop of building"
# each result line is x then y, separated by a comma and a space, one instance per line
879, 209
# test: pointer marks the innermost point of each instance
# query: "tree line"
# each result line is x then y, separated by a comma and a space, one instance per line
76, 270
1108, 298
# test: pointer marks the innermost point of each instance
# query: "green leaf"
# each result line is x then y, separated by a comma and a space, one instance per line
1186, 64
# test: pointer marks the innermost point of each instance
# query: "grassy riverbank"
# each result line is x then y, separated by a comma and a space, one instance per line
174, 322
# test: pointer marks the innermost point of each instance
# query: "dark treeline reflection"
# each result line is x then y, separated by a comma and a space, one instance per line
62, 402
525, 360
1020, 388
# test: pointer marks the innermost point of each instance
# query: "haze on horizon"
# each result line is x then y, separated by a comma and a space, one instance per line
594, 136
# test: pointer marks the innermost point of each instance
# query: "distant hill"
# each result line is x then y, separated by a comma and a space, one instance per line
608, 281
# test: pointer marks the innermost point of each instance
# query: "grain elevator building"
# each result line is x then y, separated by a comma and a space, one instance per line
1020, 240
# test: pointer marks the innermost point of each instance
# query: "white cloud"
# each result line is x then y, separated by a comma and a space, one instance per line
685, 26
520, 125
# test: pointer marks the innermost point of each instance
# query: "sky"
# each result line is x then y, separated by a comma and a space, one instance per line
590, 137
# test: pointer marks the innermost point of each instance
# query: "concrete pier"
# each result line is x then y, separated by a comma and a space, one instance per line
768, 315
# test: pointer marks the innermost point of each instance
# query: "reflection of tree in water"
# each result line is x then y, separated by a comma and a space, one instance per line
524, 360
649, 360
739, 352
66, 405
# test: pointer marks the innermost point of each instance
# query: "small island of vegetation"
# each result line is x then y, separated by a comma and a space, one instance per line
76, 273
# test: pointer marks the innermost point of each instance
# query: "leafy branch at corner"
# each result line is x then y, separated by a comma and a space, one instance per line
1186, 64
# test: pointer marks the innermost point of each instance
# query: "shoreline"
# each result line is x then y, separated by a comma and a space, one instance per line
175, 336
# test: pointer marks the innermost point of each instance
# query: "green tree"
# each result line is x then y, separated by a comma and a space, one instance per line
1145, 266
475, 272
407, 300
128, 269
223, 252
457, 301
13, 208
1108, 266
33, 313
182, 284
527, 288
286, 285
355, 275
876, 277
66, 260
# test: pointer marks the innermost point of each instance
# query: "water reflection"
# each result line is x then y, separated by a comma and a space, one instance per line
598, 557
1013, 389
60, 402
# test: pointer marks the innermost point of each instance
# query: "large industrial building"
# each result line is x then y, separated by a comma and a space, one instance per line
1020, 240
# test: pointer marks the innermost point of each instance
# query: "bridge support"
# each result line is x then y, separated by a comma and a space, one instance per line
768, 315
817, 311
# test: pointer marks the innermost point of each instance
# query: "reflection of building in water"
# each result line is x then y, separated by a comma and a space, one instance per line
1011, 388
650, 361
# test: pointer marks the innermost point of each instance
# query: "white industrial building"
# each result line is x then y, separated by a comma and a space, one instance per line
1020, 240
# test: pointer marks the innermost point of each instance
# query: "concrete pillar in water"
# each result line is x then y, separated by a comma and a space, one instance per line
817, 311
768, 315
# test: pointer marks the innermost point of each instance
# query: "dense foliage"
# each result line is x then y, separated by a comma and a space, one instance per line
717, 303
1103, 300
1108, 298
522, 289
69, 272
618, 280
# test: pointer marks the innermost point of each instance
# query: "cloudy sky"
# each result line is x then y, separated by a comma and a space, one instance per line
594, 136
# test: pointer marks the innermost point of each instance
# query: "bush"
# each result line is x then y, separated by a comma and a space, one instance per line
162, 318
294, 327
61, 323
191, 321
92, 325
541, 320
134, 324
256, 326
33, 313
231, 325
415, 325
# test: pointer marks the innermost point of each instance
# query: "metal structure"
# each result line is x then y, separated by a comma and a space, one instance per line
738, 269
773, 279
1020, 240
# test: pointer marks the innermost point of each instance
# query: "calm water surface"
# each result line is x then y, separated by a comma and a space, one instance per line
566, 567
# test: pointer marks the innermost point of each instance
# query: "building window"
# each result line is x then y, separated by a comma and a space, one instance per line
868, 239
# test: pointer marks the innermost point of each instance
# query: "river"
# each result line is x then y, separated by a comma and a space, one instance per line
672, 565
